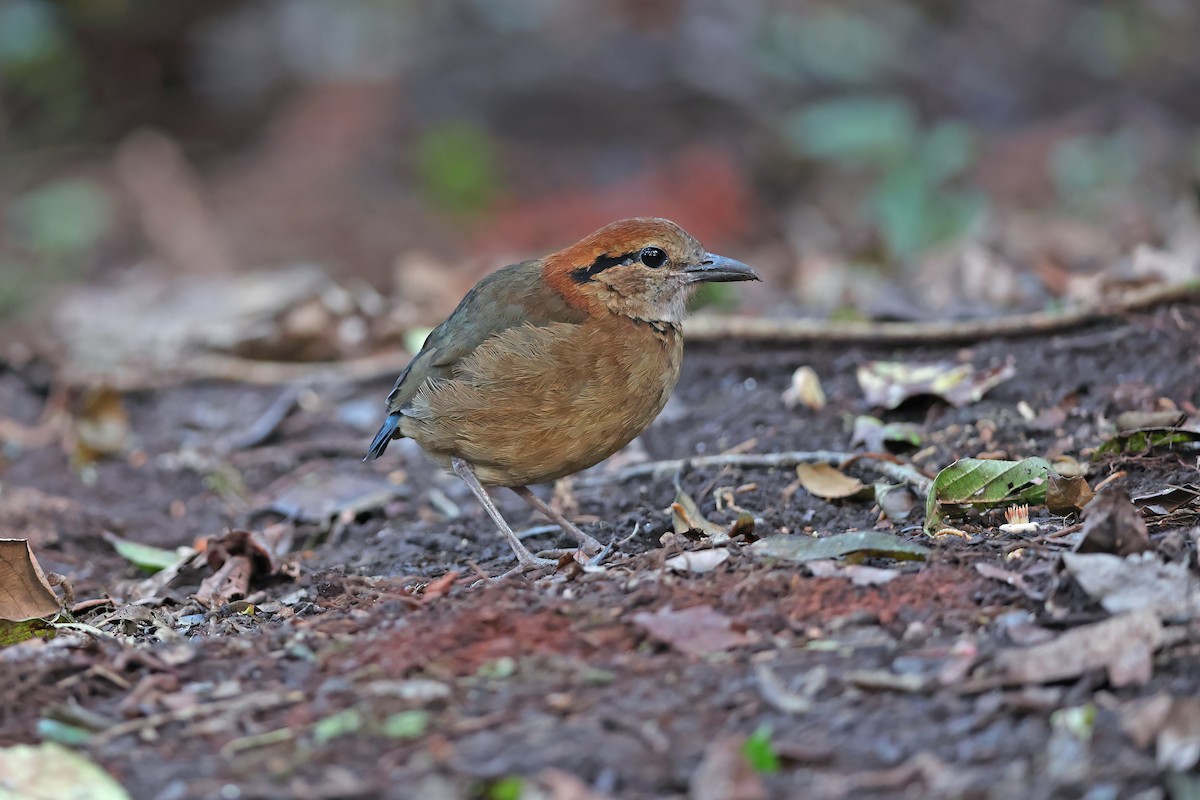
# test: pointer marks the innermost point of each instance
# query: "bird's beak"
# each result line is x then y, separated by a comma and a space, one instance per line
716, 268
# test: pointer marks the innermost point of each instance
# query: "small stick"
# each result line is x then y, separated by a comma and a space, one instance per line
267, 423
905, 473
252, 702
718, 329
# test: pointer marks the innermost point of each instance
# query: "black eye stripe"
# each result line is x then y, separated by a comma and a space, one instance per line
585, 274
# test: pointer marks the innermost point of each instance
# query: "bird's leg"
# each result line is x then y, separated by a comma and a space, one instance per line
587, 542
467, 472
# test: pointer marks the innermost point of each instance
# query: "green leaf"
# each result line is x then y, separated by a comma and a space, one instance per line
406, 724
509, 788
143, 556
15, 632
946, 150
855, 130
760, 752
56, 731
1142, 440
64, 218
801, 548
51, 770
457, 165
984, 483
879, 437
339, 724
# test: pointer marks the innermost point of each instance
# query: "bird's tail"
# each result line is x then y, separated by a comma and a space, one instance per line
387, 432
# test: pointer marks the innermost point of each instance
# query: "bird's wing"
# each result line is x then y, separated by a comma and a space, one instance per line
511, 296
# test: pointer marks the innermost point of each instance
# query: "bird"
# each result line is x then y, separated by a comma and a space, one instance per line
549, 366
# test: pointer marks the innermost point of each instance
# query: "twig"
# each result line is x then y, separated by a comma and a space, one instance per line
252, 702
904, 473
713, 329
220, 367
234, 369
268, 422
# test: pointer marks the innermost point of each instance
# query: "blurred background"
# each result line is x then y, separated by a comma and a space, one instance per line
872, 158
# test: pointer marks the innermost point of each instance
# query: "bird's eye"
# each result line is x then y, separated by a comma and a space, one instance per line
653, 257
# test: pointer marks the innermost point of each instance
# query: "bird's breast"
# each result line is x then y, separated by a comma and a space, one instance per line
535, 403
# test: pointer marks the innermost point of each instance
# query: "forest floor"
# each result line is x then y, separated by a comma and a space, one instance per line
369, 657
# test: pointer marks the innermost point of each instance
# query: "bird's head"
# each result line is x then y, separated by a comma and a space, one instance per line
643, 268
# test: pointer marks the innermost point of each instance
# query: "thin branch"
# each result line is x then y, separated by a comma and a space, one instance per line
903, 473
714, 328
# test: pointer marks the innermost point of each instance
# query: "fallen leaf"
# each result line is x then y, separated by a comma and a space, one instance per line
801, 548
138, 329
890, 383
562, 785
876, 436
984, 483
1142, 718
858, 574
326, 491
1123, 645
1142, 442
239, 556
697, 631
805, 390
1169, 500
49, 770
99, 426
1139, 581
24, 591
686, 516
829, 483
896, 502
1067, 495
1112, 524
151, 559
1142, 420
724, 773
1178, 745
698, 560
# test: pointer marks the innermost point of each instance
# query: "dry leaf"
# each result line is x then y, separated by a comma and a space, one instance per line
1124, 645
890, 383
1143, 718
805, 390
697, 631
725, 774
100, 427
1067, 495
859, 574
1113, 524
827, 482
239, 556
686, 516
325, 491
49, 770
1178, 747
24, 591
1141, 581
698, 560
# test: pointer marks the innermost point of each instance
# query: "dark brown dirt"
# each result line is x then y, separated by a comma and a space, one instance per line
522, 677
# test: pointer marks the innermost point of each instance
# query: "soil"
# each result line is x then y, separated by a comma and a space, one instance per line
387, 668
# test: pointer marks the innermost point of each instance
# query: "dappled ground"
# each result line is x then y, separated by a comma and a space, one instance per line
375, 661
